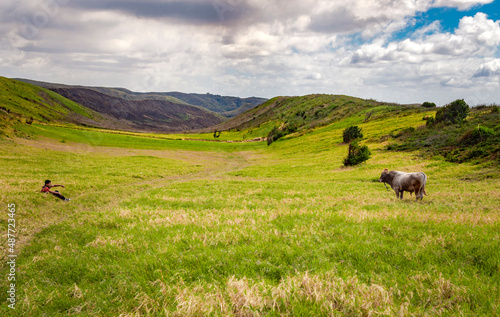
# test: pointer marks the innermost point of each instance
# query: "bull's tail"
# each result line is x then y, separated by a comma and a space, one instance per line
421, 191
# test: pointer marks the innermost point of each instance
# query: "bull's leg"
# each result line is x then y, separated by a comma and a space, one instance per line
399, 194
420, 194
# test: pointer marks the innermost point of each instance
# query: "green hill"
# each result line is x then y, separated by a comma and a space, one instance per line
21, 102
304, 113
474, 139
226, 106
477, 138
315, 110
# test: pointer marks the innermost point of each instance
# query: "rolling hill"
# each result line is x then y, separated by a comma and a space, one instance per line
475, 139
100, 107
21, 102
143, 114
226, 106
304, 112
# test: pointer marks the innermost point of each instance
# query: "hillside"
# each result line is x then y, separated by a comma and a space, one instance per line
477, 139
143, 114
225, 105
21, 102
306, 112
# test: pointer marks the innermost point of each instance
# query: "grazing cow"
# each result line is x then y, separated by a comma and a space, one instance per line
405, 182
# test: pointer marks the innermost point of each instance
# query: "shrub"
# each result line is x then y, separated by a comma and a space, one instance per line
476, 153
429, 121
357, 154
352, 133
279, 132
453, 113
397, 133
476, 135
429, 105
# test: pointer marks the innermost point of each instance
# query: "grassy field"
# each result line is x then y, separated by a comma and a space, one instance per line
159, 226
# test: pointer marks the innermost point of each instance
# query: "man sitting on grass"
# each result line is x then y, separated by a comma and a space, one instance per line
48, 185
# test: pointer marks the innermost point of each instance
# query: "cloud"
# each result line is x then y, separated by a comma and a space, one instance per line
488, 69
189, 11
475, 36
461, 4
250, 47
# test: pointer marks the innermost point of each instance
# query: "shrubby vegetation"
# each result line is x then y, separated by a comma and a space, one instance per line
458, 133
476, 135
453, 113
357, 154
352, 133
278, 132
429, 105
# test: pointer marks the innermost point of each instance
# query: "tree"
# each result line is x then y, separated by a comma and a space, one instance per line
453, 113
428, 104
352, 133
357, 154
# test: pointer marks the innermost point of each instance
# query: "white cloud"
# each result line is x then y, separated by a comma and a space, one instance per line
488, 69
251, 47
475, 36
461, 4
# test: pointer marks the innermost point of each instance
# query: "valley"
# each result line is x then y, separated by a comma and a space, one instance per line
161, 225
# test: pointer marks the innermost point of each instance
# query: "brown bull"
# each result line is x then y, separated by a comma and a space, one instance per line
405, 182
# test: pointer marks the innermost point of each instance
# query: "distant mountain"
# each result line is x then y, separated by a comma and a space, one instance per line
226, 106
22, 101
143, 114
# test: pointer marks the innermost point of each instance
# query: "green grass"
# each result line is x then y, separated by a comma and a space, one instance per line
189, 228
97, 137
21, 102
28, 101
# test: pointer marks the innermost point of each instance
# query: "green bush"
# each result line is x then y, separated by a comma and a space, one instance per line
429, 105
357, 154
429, 121
476, 153
278, 132
352, 133
453, 113
476, 135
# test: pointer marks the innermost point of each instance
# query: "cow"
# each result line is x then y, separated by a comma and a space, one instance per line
405, 182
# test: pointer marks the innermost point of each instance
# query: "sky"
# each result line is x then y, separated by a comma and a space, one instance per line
404, 51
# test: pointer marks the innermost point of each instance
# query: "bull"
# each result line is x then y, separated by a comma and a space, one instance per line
405, 182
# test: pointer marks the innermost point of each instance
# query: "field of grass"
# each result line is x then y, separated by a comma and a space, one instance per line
159, 226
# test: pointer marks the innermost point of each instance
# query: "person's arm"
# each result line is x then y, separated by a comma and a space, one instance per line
58, 186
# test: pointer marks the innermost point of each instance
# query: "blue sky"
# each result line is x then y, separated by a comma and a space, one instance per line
391, 50
448, 18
